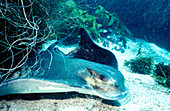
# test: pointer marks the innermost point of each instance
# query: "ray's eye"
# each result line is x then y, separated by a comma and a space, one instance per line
99, 76
116, 86
102, 77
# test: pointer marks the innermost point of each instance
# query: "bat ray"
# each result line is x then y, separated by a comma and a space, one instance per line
56, 72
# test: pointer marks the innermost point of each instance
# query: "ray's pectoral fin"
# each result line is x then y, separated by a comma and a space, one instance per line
90, 51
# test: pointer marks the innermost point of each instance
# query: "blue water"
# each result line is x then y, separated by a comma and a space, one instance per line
146, 19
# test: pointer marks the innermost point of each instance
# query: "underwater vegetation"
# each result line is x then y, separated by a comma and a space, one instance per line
145, 65
162, 74
142, 65
162, 70
95, 19
148, 18
148, 64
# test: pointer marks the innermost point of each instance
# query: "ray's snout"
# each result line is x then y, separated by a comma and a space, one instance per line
106, 84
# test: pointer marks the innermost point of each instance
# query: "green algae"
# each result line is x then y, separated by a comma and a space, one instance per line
69, 15
162, 74
145, 65
142, 65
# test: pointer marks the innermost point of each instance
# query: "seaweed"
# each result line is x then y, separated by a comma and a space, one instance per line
111, 20
145, 65
162, 74
162, 80
142, 65
162, 70
93, 20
